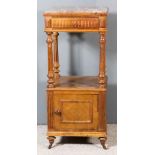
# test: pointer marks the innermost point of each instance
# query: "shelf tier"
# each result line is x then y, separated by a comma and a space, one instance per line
78, 82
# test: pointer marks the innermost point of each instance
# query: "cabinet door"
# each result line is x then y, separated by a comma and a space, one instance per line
75, 112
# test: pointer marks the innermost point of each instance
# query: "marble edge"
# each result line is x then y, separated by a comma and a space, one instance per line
80, 10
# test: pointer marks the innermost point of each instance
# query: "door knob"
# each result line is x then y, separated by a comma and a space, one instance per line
57, 112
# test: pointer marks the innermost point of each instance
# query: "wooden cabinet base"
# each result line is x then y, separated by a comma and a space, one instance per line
78, 133
77, 111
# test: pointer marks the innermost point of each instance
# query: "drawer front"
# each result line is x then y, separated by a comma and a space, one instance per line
71, 23
75, 112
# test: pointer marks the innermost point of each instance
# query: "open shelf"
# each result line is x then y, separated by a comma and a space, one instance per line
77, 82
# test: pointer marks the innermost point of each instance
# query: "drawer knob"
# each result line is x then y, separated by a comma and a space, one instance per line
57, 112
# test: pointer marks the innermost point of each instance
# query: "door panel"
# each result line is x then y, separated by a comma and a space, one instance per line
75, 111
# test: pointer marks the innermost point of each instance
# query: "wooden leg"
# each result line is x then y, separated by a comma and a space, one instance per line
51, 141
50, 61
102, 78
103, 142
56, 55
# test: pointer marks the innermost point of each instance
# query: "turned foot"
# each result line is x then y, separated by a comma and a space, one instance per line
51, 141
103, 142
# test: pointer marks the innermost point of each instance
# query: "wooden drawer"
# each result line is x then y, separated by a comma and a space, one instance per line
80, 23
76, 23
75, 111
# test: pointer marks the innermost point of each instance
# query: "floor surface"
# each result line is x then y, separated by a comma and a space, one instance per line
76, 145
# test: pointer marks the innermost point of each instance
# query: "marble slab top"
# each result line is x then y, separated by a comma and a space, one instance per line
77, 10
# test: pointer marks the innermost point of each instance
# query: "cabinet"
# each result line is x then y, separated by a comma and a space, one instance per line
76, 105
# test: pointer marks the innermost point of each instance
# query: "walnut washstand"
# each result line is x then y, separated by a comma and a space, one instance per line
76, 105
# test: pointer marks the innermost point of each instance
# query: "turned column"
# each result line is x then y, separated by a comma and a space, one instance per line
56, 55
102, 65
50, 61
